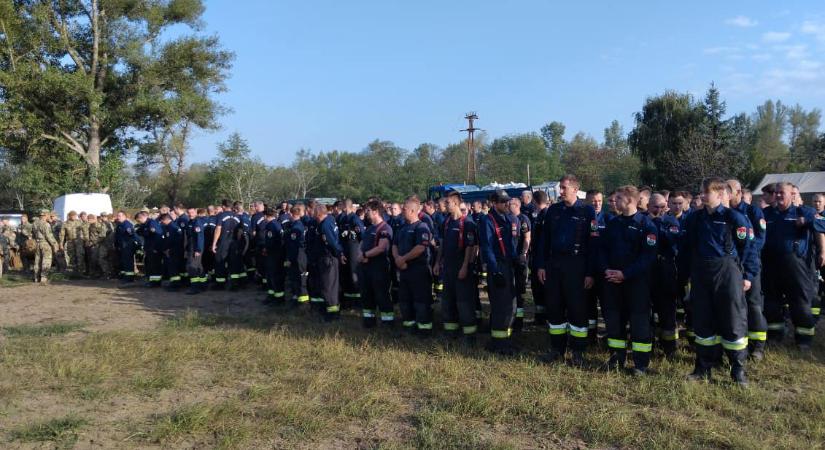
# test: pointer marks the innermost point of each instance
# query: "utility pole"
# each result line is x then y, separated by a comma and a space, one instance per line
471, 150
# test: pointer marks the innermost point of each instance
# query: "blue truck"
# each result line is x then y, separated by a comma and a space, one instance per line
472, 192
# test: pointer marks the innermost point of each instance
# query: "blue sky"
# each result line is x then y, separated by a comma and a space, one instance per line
335, 75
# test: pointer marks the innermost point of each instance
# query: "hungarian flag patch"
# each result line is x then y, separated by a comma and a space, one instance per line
762, 224
674, 229
594, 225
651, 239
741, 232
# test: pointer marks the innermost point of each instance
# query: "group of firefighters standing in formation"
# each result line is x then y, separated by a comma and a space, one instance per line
737, 270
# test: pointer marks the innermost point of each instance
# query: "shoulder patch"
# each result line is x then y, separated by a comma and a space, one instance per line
594, 225
651, 239
762, 224
742, 233
674, 229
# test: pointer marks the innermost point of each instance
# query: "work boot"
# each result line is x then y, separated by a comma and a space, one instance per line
638, 372
699, 374
577, 358
616, 361
738, 376
551, 357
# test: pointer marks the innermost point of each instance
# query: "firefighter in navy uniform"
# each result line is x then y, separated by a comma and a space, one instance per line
126, 243
536, 246
152, 234
225, 224
396, 221
258, 240
172, 251
595, 199
208, 258
757, 324
374, 268
455, 261
411, 253
313, 251
182, 221
566, 267
663, 279
195, 243
715, 245
498, 241
520, 266
296, 255
238, 248
273, 250
627, 249
787, 271
330, 253
350, 227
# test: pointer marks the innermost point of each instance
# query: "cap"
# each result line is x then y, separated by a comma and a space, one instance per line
499, 196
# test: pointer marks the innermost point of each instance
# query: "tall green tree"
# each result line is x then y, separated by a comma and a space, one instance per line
75, 74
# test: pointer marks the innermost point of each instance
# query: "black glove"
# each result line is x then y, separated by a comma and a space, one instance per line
498, 280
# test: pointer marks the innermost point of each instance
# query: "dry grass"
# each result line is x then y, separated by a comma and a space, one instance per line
284, 380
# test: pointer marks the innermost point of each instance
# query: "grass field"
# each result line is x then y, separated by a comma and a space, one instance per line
283, 379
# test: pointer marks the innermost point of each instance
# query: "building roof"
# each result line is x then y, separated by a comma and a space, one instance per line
808, 182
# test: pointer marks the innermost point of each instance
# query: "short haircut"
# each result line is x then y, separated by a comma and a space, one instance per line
200, 211
226, 203
269, 211
593, 192
713, 184
769, 188
645, 188
540, 197
374, 205
455, 194
629, 190
411, 199
164, 217
783, 184
179, 206
570, 178
682, 194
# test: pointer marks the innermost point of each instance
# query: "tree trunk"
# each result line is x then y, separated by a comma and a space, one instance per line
93, 153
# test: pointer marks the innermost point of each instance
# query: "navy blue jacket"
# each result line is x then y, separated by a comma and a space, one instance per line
125, 236
273, 237
790, 231
295, 233
668, 233
327, 231
152, 233
723, 232
409, 236
569, 230
492, 243
628, 244
195, 234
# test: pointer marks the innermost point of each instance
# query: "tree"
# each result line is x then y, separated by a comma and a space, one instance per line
77, 73
305, 175
553, 136
237, 175
615, 137
661, 126
508, 158
803, 139
770, 152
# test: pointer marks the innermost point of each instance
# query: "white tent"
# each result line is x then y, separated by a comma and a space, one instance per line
808, 182
90, 203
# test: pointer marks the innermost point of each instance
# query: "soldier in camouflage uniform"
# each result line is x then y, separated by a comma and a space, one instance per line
107, 255
46, 245
72, 243
24, 234
95, 236
8, 244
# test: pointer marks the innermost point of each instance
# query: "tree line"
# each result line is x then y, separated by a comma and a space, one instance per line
100, 96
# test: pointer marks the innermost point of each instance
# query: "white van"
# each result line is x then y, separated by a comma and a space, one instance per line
90, 203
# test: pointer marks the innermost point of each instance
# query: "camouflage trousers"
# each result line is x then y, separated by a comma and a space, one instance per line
75, 254
42, 261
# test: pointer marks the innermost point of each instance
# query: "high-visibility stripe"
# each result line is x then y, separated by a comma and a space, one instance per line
520, 312
367, 313
500, 334
706, 341
155, 278
557, 329
450, 326
470, 330
387, 316
802, 331
592, 324
425, 326
616, 343
175, 278
690, 333
408, 323
739, 344
270, 292
129, 274
670, 335
758, 335
641, 347
242, 275
234, 276
439, 287
220, 280
278, 294
333, 308
303, 298
351, 295
776, 326
815, 311
316, 300
579, 332
183, 274
264, 281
